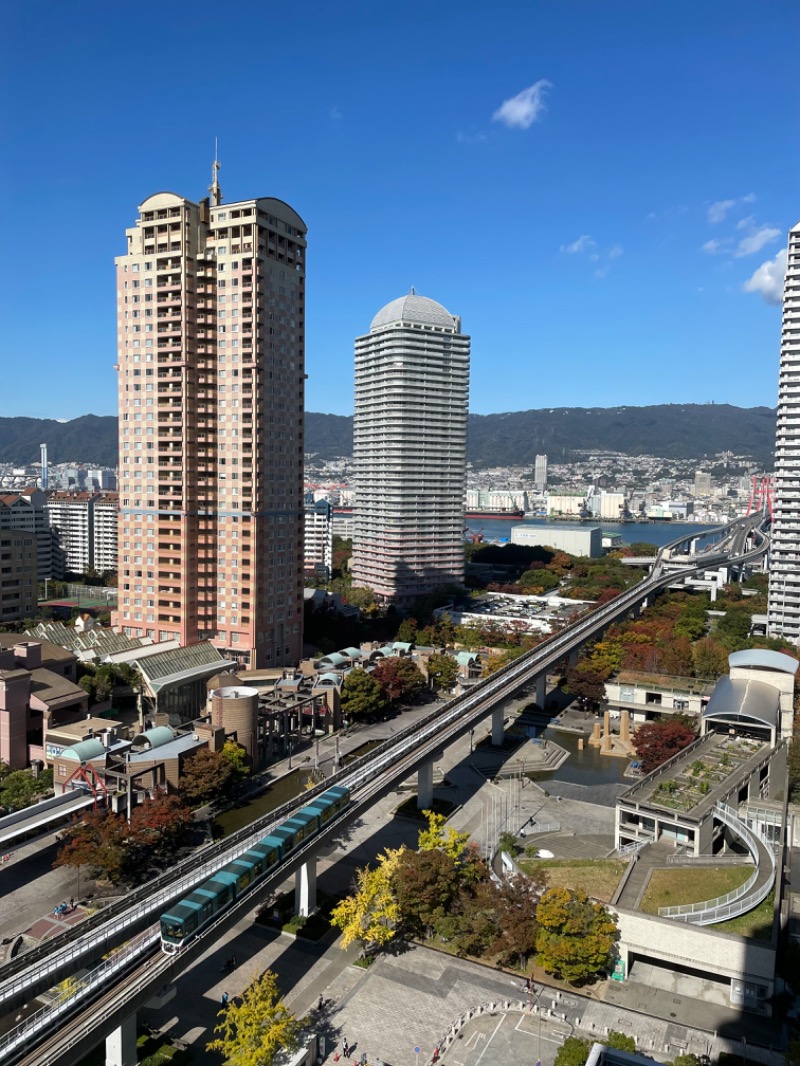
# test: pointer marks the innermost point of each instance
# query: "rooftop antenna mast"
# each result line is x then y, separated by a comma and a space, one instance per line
214, 189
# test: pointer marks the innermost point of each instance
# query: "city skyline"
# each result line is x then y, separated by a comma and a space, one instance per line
622, 159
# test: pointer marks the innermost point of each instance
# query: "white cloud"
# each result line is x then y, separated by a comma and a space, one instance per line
522, 110
714, 246
754, 242
720, 208
335, 113
470, 138
767, 281
584, 243
615, 251
746, 223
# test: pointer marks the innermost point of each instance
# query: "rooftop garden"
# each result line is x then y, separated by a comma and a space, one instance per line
691, 782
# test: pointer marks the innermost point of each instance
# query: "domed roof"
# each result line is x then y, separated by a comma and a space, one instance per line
415, 309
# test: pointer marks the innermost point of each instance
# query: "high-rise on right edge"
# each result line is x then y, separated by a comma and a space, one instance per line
784, 569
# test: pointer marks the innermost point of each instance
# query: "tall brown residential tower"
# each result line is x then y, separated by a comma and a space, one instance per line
210, 312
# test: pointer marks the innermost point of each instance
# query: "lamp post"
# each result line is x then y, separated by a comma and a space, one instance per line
471, 741
290, 753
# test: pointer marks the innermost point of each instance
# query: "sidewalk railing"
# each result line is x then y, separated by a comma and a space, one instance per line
739, 900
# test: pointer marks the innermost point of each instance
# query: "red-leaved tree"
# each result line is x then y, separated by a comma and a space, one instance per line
655, 742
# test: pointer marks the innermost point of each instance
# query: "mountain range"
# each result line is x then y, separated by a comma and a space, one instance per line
671, 431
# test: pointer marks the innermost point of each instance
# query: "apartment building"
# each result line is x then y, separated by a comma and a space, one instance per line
410, 450
85, 529
17, 575
25, 511
318, 538
211, 342
784, 572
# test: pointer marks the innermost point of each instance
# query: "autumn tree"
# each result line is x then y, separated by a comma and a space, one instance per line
586, 683
451, 842
159, 826
206, 775
362, 695
370, 914
99, 839
257, 1028
539, 581
427, 886
237, 757
399, 678
498, 662
655, 742
442, 670
576, 936
516, 905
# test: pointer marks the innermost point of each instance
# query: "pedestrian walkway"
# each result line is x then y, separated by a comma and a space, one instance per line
51, 925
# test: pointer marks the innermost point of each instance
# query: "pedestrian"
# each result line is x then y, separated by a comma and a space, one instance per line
56, 912
345, 1047
233, 962
72, 903
224, 999
321, 1002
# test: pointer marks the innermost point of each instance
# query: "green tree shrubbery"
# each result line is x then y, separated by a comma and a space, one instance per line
362, 696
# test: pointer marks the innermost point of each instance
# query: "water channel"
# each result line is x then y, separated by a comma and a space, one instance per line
586, 767
277, 792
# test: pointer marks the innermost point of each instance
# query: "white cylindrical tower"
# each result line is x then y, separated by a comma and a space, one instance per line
410, 450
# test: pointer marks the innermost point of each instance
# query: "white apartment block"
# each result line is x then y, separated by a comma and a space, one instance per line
106, 524
84, 526
784, 566
318, 539
410, 450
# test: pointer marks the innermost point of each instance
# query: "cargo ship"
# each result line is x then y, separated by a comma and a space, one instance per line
488, 516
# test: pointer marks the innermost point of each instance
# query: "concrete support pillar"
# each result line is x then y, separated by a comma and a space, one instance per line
541, 689
425, 786
498, 724
121, 1044
305, 887
693, 546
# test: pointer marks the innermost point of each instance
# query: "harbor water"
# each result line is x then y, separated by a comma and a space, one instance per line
658, 533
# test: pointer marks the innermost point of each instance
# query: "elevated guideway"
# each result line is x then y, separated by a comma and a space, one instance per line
41, 817
133, 922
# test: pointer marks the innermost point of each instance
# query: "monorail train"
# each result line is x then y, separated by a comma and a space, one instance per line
187, 917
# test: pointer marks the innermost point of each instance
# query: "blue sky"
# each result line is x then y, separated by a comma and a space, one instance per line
593, 186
